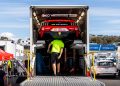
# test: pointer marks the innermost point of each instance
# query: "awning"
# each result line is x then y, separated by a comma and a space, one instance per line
5, 56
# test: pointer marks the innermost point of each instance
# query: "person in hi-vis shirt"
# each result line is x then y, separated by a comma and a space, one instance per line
56, 52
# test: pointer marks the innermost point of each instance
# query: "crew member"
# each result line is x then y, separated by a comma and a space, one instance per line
56, 52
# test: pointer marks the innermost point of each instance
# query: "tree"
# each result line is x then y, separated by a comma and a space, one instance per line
104, 39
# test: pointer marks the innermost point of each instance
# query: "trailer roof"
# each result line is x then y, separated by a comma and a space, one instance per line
58, 9
59, 6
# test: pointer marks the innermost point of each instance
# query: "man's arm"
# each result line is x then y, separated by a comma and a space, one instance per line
48, 50
61, 51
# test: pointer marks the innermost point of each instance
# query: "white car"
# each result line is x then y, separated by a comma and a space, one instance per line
104, 67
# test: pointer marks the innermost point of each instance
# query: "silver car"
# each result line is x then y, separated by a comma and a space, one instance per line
104, 67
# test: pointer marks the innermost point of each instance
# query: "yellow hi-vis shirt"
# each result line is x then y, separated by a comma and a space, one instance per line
57, 45
9, 64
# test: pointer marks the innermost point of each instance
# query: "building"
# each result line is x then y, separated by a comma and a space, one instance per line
16, 49
25, 42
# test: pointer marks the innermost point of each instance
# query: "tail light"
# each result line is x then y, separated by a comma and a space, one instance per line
43, 28
76, 28
47, 28
71, 28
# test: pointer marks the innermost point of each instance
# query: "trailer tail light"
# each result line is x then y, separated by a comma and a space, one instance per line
73, 28
59, 29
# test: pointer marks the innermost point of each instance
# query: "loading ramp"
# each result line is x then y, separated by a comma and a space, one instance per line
61, 81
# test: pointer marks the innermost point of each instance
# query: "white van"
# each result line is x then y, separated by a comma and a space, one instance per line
104, 67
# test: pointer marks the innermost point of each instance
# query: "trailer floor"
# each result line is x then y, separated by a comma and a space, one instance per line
61, 81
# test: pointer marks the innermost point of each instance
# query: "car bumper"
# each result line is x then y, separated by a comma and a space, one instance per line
52, 34
105, 73
113, 73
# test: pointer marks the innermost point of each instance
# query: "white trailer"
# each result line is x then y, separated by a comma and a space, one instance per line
75, 47
16, 49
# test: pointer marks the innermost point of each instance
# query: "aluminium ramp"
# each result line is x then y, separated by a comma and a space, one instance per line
61, 81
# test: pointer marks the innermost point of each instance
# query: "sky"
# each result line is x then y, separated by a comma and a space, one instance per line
104, 16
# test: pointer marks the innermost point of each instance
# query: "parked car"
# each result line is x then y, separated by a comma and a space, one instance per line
104, 67
113, 59
100, 57
59, 28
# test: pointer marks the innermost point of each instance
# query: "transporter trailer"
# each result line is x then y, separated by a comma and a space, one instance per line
70, 24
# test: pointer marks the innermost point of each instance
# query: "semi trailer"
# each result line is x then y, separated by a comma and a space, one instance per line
69, 24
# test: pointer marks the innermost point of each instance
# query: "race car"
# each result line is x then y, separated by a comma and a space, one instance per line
59, 28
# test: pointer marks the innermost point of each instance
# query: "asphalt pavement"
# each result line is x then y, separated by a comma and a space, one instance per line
15, 81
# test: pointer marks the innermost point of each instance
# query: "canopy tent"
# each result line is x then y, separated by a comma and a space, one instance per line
5, 56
